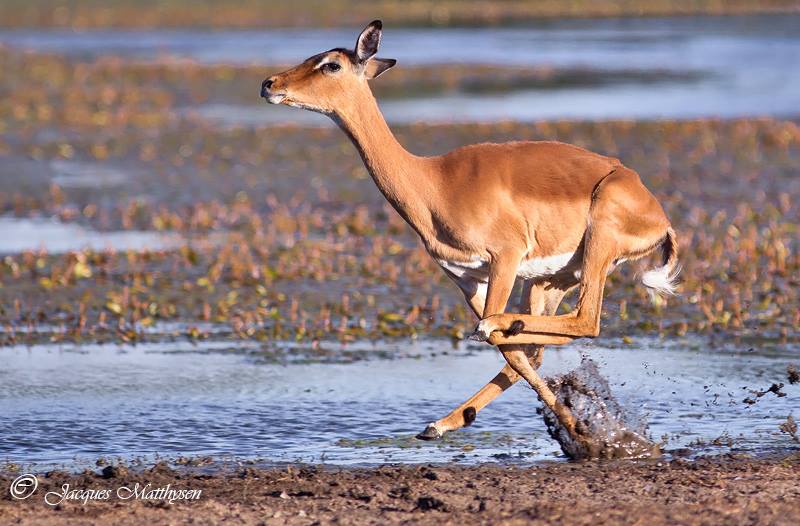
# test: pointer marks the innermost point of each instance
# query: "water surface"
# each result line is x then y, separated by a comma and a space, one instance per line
664, 42
69, 405
55, 237
747, 65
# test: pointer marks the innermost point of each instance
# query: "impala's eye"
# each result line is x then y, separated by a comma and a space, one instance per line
331, 67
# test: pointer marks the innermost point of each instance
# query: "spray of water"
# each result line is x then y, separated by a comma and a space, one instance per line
609, 431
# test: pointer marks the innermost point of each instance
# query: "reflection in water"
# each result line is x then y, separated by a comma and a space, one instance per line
71, 404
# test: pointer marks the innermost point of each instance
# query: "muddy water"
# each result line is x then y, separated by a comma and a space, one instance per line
67, 405
604, 428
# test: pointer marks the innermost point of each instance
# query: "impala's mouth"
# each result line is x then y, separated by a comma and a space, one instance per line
275, 98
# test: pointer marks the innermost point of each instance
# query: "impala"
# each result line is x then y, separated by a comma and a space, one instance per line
548, 215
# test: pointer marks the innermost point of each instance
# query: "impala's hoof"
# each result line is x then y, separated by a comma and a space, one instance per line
516, 328
430, 433
479, 336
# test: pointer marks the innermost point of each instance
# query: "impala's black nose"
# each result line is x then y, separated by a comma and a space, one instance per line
265, 87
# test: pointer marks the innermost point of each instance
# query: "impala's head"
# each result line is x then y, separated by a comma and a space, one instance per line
331, 80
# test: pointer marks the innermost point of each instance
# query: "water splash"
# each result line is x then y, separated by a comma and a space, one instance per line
609, 430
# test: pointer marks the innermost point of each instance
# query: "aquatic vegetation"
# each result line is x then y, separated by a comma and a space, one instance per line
790, 428
287, 238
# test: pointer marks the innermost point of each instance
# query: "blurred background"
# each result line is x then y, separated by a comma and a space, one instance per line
460, 61
176, 255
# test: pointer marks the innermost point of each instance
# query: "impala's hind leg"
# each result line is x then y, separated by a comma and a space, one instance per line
535, 300
625, 221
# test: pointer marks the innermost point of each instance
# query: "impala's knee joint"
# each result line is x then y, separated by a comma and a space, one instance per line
590, 329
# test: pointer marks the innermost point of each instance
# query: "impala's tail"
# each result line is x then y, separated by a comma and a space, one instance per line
663, 280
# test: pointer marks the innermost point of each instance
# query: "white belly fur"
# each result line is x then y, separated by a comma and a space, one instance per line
532, 268
546, 266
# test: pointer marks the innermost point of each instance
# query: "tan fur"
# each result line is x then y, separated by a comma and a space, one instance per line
491, 208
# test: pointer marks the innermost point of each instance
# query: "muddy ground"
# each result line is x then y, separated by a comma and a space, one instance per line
714, 490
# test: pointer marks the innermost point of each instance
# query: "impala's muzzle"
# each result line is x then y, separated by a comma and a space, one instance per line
268, 91
265, 87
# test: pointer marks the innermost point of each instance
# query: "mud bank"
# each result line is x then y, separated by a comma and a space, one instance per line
712, 490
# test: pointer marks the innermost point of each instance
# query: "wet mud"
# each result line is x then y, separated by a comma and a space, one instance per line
721, 490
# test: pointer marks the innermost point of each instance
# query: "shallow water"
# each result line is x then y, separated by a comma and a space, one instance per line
662, 42
749, 65
69, 405
17, 235
76, 174
671, 100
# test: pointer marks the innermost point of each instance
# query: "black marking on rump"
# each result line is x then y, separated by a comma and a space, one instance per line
668, 247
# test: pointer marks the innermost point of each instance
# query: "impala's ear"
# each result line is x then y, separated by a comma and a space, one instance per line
368, 41
375, 66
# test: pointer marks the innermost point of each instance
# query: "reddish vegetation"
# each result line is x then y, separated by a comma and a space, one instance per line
305, 215
303, 212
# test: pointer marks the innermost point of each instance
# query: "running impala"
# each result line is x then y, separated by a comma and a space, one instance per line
549, 215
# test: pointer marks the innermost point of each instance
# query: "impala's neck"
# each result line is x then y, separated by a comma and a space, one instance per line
403, 178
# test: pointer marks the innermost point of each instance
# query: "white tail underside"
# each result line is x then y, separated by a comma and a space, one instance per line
662, 280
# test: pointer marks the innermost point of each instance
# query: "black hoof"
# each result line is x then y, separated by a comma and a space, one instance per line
479, 336
516, 327
430, 433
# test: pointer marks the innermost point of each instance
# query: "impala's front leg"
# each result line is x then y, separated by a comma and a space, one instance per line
583, 322
502, 274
